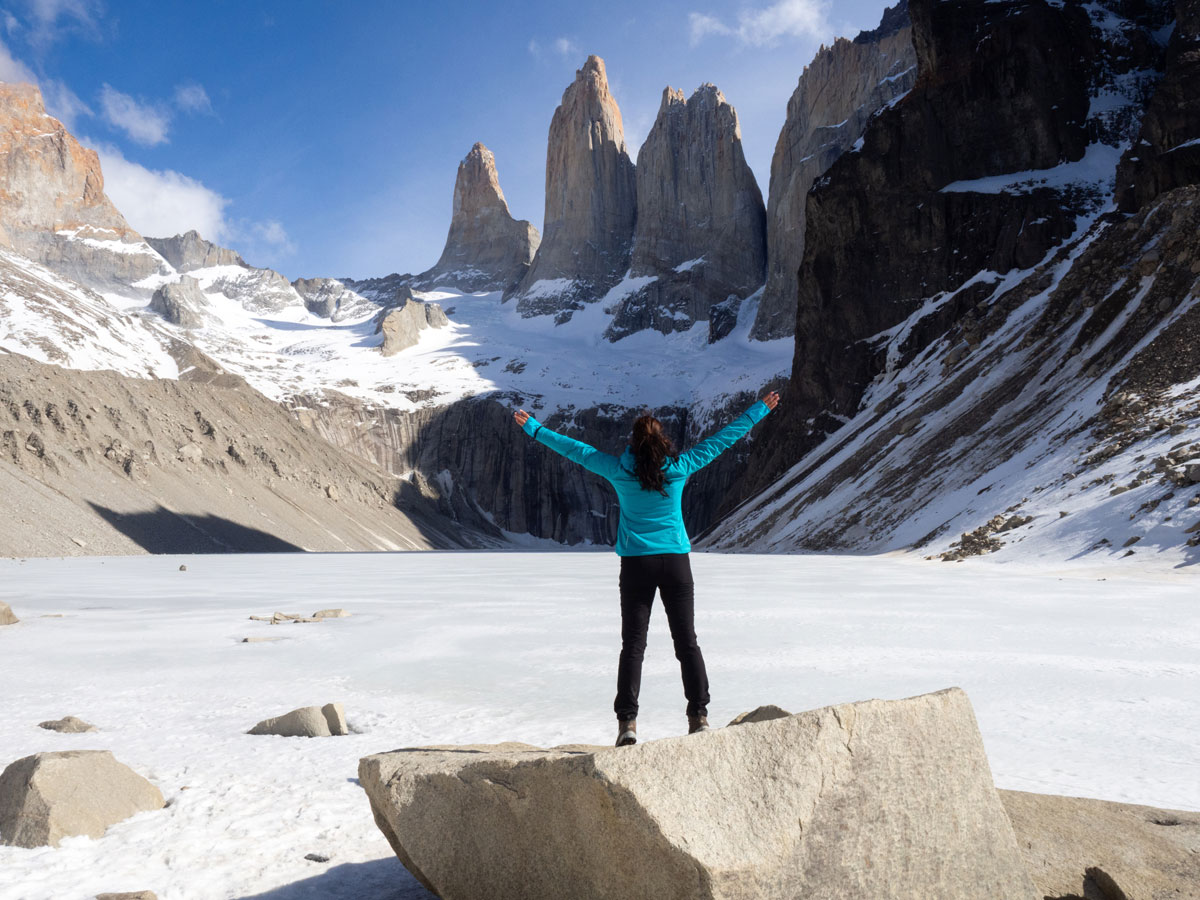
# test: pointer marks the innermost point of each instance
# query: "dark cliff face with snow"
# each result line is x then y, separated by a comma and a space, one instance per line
978, 334
1003, 88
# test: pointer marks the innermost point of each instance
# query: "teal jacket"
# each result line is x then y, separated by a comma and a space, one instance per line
650, 523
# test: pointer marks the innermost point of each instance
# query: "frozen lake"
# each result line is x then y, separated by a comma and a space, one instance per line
1085, 682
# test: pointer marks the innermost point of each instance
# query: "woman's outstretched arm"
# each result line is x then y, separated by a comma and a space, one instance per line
712, 447
586, 455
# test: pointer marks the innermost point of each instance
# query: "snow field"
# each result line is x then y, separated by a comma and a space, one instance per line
1084, 682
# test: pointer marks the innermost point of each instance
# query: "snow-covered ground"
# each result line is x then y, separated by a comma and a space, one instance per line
1085, 682
488, 346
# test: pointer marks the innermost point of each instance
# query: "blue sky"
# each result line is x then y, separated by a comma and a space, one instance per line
323, 138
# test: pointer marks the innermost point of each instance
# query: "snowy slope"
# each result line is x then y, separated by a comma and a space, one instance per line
286, 351
1058, 411
54, 320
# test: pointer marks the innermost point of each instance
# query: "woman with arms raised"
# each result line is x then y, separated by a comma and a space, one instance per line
653, 545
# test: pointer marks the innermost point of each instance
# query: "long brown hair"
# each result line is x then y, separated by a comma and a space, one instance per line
651, 447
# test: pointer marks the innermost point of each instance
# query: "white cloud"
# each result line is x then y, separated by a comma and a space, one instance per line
191, 97
161, 203
63, 104
566, 47
274, 235
535, 49
61, 101
78, 14
12, 69
145, 123
765, 27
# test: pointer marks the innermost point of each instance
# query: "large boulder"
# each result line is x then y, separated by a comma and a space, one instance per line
402, 326
591, 202
1075, 847
879, 799
181, 303
308, 721
7, 616
49, 796
68, 725
486, 248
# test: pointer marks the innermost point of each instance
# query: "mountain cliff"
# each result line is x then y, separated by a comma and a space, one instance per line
591, 202
984, 351
1167, 152
838, 93
701, 225
188, 251
486, 249
53, 208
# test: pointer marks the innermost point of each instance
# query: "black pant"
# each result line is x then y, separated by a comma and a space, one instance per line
671, 575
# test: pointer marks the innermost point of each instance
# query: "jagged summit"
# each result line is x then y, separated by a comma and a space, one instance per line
701, 224
188, 251
486, 248
591, 202
54, 208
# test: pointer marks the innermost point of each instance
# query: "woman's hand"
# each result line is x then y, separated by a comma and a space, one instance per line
771, 398
521, 417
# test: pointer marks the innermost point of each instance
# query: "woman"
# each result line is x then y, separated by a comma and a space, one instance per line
653, 545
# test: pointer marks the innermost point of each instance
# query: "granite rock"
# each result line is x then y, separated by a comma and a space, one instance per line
53, 208
591, 202
181, 302
49, 796
188, 251
486, 249
847, 801
701, 224
838, 93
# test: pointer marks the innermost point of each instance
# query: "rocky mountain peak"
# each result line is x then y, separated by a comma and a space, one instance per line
486, 248
590, 202
701, 224
189, 251
671, 98
53, 208
478, 185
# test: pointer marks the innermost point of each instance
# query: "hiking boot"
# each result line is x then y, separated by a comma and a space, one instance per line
697, 723
626, 732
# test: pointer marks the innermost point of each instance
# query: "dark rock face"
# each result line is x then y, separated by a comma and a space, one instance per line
388, 290
839, 92
486, 249
590, 202
701, 224
1011, 382
188, 251
1167, 153
982, 333
484, 470
883, 230
331, 299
